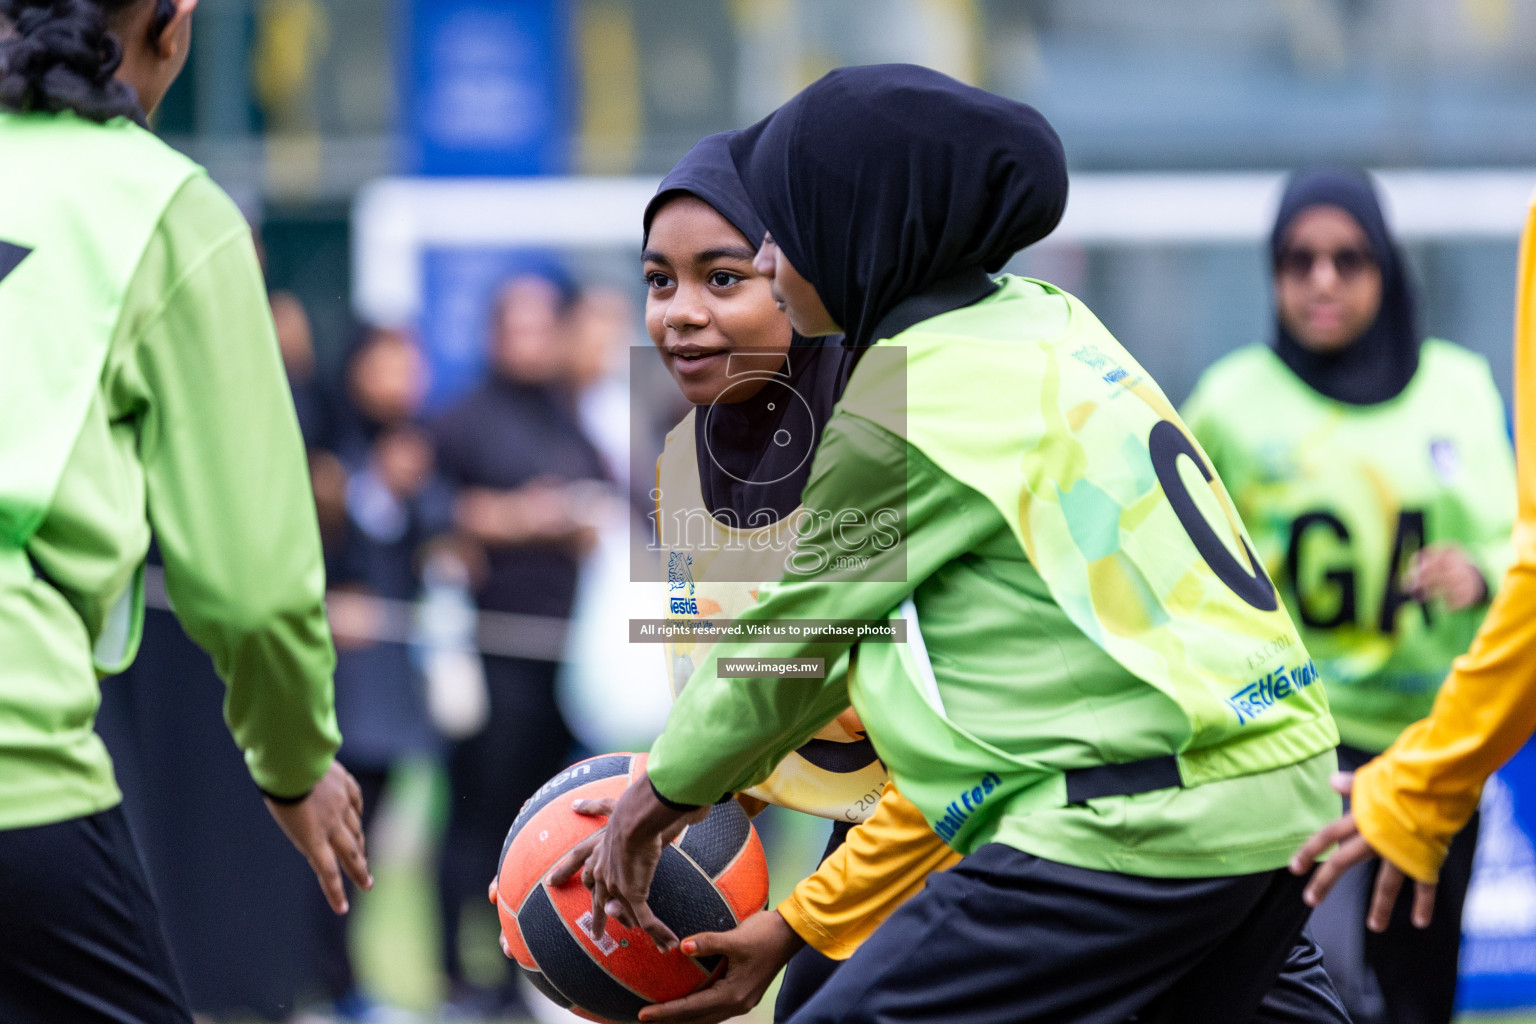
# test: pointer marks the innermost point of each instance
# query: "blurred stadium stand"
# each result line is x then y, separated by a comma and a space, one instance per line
296, 104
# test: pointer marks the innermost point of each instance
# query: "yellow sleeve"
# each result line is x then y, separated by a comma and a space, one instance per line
883, 863
1409, 802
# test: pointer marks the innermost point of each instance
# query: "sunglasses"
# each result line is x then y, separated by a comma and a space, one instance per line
1347, 263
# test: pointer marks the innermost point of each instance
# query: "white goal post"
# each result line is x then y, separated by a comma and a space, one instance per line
395, 219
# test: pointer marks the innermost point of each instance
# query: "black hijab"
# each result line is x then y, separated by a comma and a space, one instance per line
887, 182
755, 456
1379, 364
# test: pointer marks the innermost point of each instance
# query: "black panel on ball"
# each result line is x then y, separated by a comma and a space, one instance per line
687, 902
839, 757
567, 966
715, 842
543, 984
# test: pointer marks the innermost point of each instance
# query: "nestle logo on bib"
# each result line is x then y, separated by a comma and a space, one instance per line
680, 577
1264, 693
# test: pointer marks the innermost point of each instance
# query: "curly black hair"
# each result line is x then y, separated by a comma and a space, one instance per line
61, 55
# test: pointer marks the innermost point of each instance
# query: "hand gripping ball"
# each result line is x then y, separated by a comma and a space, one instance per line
712, 877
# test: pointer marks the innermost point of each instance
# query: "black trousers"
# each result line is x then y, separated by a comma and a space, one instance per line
223, 874
1004, 937
1303, 993
80, 938
490, 774
808, 970
1404, 975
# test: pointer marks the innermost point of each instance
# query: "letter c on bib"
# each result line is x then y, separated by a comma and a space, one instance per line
1166, 443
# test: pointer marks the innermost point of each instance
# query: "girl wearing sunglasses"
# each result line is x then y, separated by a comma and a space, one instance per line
1374, 472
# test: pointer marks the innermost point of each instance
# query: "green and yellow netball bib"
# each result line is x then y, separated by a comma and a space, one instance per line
1339, 498
1118, 511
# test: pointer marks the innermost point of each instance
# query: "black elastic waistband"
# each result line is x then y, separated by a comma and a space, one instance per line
1125, 779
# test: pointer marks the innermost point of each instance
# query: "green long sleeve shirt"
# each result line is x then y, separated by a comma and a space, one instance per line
190, 432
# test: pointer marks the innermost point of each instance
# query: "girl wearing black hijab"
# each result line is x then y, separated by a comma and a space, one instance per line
728, 494
777, 380
1099, 701
1379, 487
729, 482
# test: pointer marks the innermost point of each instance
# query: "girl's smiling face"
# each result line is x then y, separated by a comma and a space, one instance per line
708, 312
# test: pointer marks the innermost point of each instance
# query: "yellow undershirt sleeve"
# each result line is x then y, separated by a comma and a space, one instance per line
884, 862
1409, 802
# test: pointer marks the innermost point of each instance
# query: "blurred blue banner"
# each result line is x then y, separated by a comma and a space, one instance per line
1498, 943
485, 87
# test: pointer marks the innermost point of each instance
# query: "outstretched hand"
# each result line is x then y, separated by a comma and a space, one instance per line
327, 828
618, 863
754, 951
1352, 850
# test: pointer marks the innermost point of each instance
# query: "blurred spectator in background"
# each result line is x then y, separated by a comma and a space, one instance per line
384, 382
380, 503
602, 685
296, 342
603, 328
1374, 472
515, 449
